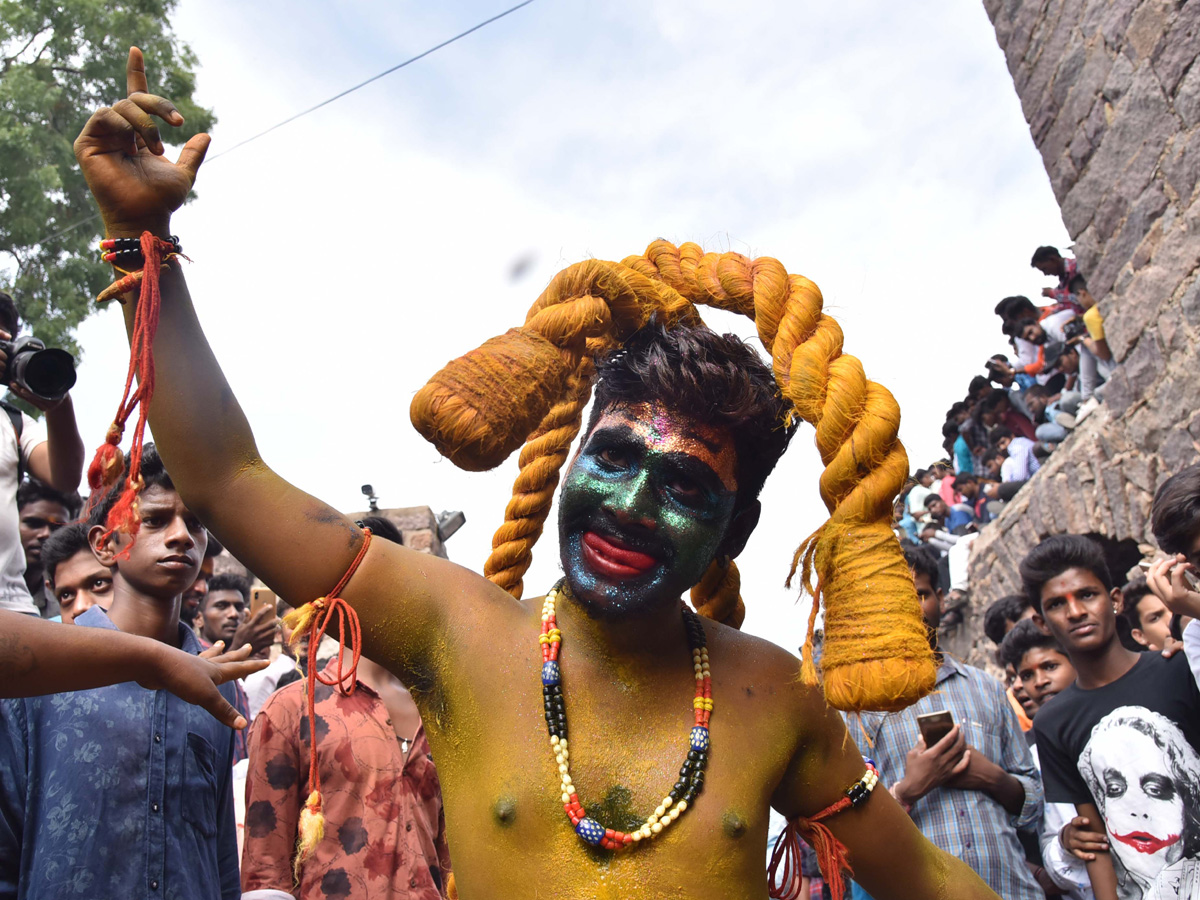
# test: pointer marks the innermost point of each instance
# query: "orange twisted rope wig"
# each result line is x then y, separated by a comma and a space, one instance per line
530, 385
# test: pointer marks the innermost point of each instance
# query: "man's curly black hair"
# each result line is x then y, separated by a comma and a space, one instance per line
33, 490
716, 379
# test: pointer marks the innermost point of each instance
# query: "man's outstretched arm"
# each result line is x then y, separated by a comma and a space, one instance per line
200, 429
891, 859
39, 657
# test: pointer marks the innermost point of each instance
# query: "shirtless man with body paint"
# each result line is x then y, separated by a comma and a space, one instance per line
652, 497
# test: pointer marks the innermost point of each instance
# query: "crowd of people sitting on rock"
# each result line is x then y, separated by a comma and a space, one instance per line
1013, 416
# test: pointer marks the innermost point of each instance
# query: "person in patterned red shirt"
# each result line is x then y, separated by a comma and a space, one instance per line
385, 830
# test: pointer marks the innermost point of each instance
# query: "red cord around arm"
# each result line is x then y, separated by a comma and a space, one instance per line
831, 853
831, 856
314, 619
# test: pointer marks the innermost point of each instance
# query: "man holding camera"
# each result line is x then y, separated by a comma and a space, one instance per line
52, 451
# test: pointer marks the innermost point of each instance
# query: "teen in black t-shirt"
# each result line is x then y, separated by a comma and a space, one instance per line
1121, 744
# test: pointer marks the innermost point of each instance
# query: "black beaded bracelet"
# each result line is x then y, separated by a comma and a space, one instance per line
128, 251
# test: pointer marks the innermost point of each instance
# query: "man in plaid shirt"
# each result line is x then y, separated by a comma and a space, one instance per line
970, 792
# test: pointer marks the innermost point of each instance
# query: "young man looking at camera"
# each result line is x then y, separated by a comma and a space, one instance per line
75, 578
1121, 743
143, 778
223, 608
1044, 670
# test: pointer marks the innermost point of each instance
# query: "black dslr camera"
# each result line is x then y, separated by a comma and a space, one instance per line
47, 372
1074, 328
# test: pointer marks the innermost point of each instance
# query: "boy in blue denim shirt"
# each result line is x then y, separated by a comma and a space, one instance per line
100, 788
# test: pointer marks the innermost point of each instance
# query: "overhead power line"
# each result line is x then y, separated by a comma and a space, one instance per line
382, 74
338, 96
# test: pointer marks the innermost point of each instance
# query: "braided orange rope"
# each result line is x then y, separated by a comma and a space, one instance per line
532, 384
533, 492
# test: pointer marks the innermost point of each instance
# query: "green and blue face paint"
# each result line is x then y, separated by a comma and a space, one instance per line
644, 507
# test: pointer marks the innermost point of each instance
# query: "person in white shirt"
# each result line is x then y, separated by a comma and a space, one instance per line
916, 496
50, 451
262, 685
1021, 463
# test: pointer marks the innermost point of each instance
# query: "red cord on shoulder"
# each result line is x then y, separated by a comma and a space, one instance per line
346, 680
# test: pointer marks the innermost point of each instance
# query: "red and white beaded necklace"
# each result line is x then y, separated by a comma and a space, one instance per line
691, 775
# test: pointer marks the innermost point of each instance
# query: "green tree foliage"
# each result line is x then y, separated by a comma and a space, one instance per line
59, 61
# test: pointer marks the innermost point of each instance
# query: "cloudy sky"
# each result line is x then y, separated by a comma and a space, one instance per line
876, 148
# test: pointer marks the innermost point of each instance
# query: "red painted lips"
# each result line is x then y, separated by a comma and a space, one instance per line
614, 559
1146, 843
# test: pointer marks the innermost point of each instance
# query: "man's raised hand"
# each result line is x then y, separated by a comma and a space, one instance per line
121, 155
1167, 578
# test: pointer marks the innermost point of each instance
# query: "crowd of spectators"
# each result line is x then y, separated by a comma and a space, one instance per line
1077, 773
240, 803
1077, 776
84, 772
1013, 416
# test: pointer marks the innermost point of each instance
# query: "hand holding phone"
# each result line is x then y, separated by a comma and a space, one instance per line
934, 726
260, 597
260, 625
1173, 581
930, 766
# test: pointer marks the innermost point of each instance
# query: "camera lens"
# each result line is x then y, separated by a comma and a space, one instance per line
48, 373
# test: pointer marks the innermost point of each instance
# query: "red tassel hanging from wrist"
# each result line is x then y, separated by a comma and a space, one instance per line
106, 468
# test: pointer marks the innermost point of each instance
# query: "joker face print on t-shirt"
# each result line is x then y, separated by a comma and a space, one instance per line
1145, 778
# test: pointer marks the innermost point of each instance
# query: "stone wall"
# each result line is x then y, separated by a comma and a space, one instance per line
1112, 97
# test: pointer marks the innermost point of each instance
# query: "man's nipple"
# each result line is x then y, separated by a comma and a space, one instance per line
504, 810
733, 824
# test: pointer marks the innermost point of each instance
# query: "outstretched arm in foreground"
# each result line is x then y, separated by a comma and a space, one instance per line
39, 657
891, 859
203, 436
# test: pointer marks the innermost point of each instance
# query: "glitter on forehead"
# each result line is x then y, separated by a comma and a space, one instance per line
665, 430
